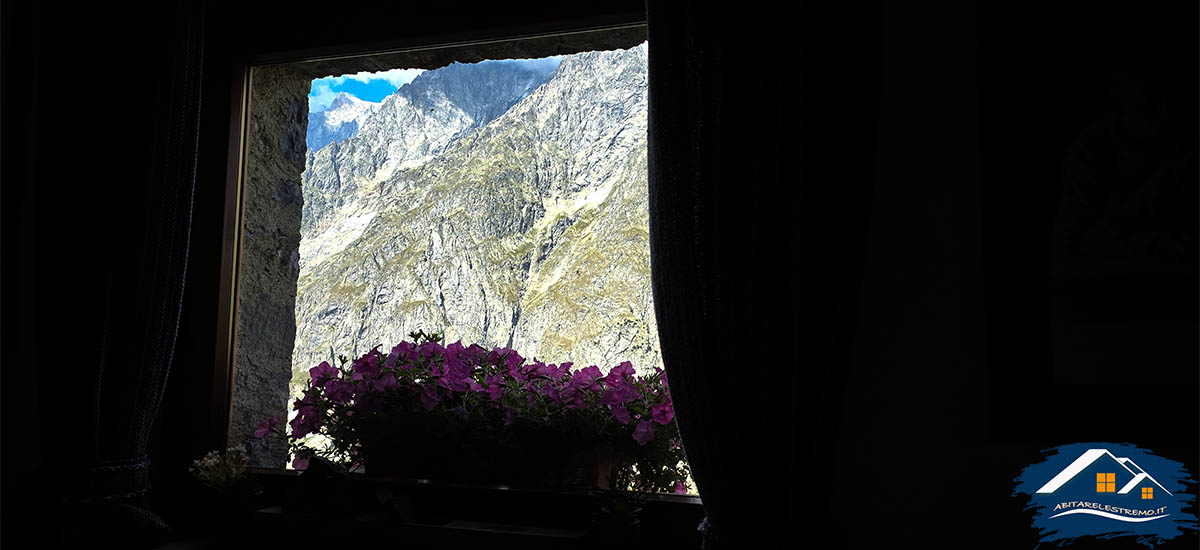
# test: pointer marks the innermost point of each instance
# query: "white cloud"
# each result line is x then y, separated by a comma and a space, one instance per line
395, 77
322, 93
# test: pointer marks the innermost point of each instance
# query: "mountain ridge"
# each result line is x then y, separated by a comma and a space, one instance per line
528, 231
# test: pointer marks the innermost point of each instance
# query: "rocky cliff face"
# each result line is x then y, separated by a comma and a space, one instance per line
501, 202
339, 122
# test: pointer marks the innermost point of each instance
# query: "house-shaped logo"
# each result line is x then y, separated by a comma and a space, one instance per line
1111, 476
1107, 489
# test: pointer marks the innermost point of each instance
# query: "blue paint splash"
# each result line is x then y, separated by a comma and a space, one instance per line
1082, 494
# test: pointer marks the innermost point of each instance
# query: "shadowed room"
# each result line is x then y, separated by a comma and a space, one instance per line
891, 254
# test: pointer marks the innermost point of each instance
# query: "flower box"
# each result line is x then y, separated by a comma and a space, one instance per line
468, 414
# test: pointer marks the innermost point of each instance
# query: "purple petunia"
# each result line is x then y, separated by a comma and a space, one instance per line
512, 359
321, 374
339, 391
586, 376
308, 420
266, 427
474, 354
431, 349
386, 382
643, 433
300, 463
564, 369
367, 366
404, 353
454, 351
662, 413
618, 395
620, 413
618, 375
495, 387
428, 397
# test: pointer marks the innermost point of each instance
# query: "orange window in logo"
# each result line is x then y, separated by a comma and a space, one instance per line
1106, 483
1147, 493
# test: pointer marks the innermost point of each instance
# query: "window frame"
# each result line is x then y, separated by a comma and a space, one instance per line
236, 169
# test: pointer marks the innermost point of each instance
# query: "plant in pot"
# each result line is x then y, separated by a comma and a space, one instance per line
229, 491
466, 413
616, 522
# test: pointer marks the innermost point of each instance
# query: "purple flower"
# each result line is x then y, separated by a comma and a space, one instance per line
542, 369
680, 488
266, 427
562, 370
513, 359
616, 377
620, 413
321, 374
339, 391
368, 365
662, 413
403, 351
618, 395
300, 463
495, 384
428, 397
474, 354
455, 374
586, 376
509, 418
455, 385
474, 386
307, 421
386, 382
306, 401
643, 433
431, 349
572, 397
454, 352
551, 392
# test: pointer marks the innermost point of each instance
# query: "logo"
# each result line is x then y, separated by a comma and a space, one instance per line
1107, 490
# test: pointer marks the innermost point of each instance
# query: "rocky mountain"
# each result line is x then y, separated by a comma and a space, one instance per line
415, 124
339, 122
503, 206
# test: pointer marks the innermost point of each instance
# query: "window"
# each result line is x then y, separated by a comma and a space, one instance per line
325, 255
1147, 493
1106, 483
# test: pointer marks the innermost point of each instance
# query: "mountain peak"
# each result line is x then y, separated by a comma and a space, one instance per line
342, 99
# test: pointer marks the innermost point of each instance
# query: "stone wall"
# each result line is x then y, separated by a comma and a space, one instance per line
270, 257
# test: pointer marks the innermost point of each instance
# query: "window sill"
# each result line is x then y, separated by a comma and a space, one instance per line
423, 512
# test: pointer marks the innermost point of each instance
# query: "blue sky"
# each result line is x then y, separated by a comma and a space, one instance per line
376, 86
365, 86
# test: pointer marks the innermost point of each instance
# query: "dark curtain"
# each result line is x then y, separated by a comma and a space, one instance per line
115, 94
762, 145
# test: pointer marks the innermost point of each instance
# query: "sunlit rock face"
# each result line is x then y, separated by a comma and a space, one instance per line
339, 122
503, 203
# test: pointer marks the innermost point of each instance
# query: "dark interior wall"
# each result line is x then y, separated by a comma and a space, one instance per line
78, 80
972, 110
